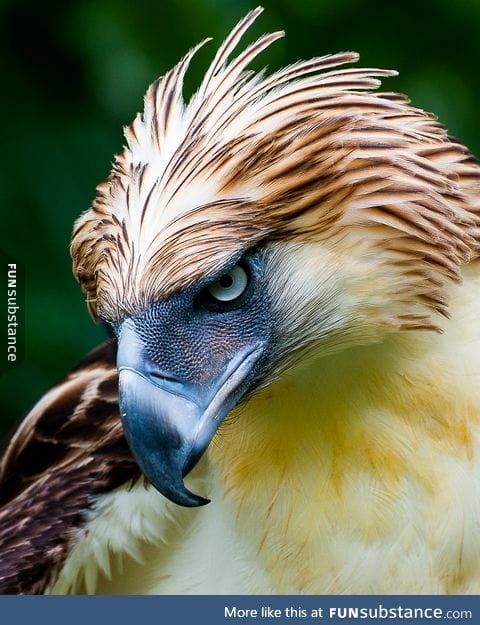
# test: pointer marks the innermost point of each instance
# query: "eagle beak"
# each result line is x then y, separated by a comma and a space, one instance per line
169, 422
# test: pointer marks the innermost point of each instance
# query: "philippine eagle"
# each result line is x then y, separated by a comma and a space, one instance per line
289, 267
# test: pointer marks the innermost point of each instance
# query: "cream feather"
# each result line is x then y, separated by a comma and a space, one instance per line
303, 154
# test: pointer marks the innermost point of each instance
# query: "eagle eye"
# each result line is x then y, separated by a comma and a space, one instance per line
229, 286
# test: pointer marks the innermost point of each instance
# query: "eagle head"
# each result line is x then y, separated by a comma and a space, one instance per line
270, 220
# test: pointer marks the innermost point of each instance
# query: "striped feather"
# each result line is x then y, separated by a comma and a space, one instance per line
66, 452
309, 152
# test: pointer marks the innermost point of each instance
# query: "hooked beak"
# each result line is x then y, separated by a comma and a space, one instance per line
169, 422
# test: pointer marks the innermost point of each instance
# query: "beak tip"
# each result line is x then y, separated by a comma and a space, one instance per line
193, 501
202, 501
180, 495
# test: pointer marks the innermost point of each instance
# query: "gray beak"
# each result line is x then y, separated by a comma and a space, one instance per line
169, 422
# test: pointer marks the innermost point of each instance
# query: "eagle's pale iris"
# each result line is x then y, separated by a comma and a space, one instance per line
230, 285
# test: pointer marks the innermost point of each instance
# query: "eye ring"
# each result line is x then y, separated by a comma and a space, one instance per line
229, 286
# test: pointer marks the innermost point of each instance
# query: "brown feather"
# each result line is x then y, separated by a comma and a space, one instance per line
302, 154
68, 450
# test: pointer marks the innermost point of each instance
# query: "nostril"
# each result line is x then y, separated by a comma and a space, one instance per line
163, 378
154, 372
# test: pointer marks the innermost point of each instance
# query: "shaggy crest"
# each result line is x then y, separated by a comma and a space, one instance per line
308, 153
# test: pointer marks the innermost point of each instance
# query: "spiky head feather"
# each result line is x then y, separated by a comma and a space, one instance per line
307, 154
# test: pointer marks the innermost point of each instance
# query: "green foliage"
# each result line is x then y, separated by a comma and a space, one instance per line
74, 72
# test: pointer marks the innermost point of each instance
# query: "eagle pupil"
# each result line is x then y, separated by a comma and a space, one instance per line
229, 286
226, 281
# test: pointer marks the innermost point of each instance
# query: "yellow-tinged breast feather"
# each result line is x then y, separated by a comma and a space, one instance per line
380, 491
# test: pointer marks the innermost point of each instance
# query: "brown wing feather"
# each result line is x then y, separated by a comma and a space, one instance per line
69, 449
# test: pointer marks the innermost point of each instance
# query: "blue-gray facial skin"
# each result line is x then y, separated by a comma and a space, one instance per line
184, 363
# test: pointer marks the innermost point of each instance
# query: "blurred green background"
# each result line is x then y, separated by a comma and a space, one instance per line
74, 72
